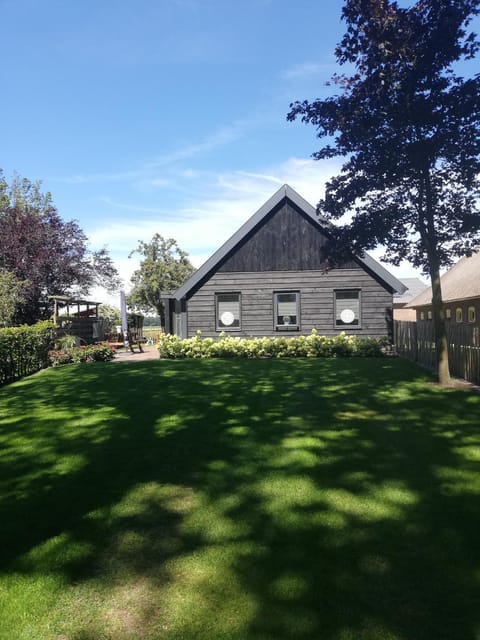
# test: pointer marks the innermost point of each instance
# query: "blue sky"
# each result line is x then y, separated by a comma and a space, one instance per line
163, 116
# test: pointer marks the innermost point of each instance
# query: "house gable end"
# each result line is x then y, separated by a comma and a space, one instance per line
284, 234
285, 240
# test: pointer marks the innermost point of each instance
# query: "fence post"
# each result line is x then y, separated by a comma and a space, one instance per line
415, 341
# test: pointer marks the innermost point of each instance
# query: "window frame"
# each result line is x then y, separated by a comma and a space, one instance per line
286, 327
218, 294
471, 314
350, 326
448, 313
459, 315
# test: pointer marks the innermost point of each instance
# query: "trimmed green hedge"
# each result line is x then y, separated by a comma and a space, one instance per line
24, 350
312, 346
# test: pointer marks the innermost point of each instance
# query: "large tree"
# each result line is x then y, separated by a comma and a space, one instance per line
163, 268
43, 253
408, 128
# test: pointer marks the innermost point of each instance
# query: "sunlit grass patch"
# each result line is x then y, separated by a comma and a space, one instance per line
239, 500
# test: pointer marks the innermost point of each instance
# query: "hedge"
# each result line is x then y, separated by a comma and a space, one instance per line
24, 350
312, 346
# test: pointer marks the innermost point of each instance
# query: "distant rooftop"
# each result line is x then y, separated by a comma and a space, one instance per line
414, 287
460, 282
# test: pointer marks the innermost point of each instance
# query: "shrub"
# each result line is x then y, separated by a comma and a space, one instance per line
74, 355
24, 350
312, 346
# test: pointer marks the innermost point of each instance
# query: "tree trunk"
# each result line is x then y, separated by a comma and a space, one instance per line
429, 237
439, 327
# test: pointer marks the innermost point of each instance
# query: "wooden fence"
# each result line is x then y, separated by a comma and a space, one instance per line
414, 340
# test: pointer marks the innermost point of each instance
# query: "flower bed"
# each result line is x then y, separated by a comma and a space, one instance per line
89, 353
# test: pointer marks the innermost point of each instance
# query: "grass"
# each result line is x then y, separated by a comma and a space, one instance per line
239, 500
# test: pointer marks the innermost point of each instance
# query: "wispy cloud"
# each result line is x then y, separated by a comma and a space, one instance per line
219, 203
307, 70
97, 178
137, 209
146, 173
220, 138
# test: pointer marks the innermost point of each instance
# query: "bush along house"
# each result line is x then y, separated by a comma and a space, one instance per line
271, 279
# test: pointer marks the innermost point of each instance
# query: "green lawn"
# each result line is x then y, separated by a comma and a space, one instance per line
240, 500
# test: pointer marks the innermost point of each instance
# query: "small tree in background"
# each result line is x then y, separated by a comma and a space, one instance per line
111, 316
409, 129
163, 268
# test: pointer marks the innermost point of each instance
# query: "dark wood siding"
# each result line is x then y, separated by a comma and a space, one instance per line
286, 241
316, 289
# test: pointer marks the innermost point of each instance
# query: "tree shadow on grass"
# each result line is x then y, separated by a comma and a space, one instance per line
265, 499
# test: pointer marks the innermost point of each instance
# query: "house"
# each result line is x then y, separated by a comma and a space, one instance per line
400, 300
271, 279
460, 294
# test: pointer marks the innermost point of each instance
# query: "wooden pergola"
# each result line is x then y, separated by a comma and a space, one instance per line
90, 309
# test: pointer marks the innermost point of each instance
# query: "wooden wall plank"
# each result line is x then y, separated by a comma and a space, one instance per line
316, 301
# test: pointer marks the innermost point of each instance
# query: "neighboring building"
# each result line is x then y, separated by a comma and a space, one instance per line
77, 318
401, 300
460, 294
271, 278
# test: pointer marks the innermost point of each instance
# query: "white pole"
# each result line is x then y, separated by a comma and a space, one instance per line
123, 315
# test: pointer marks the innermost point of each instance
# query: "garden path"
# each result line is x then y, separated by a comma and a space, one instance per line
150, 352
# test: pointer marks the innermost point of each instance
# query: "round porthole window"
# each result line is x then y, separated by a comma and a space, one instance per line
347, 316
227, 318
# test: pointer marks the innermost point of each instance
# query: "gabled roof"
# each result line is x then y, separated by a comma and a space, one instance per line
414, 287
460, 282
285, 192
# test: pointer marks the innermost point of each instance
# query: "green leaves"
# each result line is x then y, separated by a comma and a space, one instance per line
11, 294
163, 268
24, 350
312, 346
75, 355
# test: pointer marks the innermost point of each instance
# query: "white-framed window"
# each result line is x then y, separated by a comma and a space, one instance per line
347, 308
422, 315
458, 314
471, 314
448, 314
286, 310
429, 315
228, 308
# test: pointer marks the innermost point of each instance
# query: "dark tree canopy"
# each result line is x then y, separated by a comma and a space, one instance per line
408, 128
44, 253
163, 268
